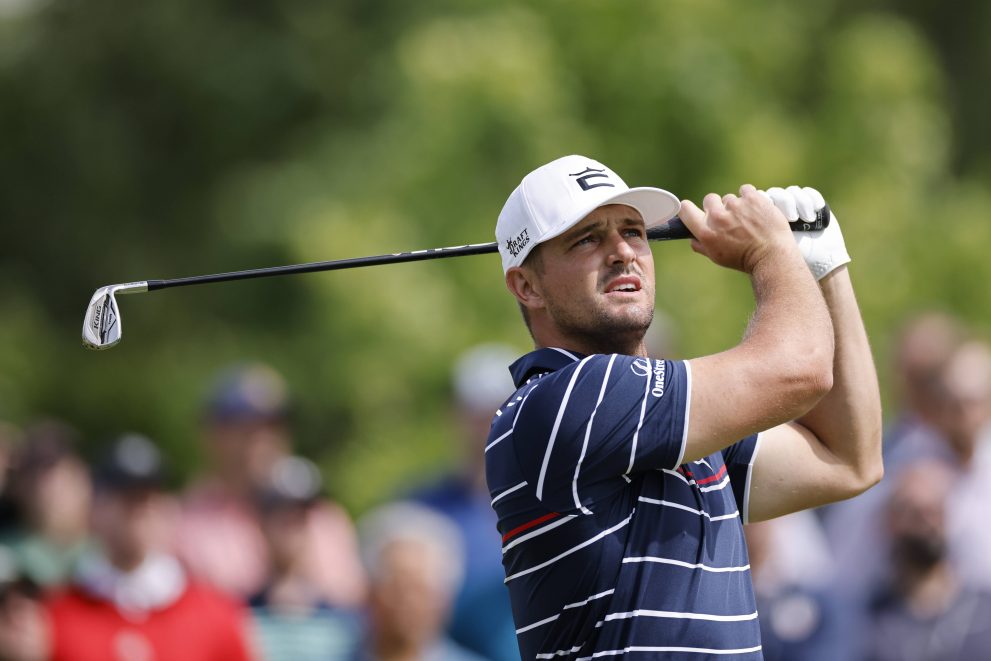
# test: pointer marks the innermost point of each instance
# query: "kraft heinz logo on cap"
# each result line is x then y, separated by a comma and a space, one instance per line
557, 196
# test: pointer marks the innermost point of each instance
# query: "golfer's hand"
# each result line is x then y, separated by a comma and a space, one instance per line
737, 232
824, 251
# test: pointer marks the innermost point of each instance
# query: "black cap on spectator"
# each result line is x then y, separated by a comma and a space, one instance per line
248, 393
133, 463
294, 482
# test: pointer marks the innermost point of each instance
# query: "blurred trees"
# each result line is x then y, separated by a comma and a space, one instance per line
172, 137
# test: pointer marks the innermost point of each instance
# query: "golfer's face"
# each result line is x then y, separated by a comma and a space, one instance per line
600, 272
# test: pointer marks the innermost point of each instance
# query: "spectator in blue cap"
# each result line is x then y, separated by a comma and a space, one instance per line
247, 430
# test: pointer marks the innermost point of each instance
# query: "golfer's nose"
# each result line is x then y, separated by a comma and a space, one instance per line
620, 250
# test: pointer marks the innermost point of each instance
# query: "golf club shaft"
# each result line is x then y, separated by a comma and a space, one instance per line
674, 229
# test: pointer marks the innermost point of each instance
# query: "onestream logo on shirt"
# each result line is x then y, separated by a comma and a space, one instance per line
641, 367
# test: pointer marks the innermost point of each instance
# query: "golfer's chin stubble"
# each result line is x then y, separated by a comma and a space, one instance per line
602, 325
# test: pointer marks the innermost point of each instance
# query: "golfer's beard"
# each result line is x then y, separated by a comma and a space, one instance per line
602, 332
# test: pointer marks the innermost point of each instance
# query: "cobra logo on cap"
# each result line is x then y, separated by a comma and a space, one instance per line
592, 173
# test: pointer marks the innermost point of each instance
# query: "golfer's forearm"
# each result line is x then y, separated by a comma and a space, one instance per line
781, 368
791, 332
848, 419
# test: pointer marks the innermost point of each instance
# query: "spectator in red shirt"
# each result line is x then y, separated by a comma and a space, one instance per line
133, 600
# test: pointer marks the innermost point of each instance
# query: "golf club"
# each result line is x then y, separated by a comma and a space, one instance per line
102, 324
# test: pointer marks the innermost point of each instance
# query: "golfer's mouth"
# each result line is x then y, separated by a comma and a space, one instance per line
627, 284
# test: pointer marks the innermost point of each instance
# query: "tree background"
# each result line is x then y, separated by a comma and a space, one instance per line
170, 137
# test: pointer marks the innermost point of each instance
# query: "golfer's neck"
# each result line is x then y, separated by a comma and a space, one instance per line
588, 345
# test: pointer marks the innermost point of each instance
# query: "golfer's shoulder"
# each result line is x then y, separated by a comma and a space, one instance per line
622, 376
575, 388
565, 379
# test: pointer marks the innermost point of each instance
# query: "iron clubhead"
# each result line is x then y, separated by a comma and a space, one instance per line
101, 324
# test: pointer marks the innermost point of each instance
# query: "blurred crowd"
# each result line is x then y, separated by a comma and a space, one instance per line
902, 572
103, 558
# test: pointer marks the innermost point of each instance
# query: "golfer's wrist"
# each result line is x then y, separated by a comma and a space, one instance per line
781, 267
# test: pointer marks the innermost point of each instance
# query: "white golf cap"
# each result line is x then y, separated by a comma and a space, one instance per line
555, 197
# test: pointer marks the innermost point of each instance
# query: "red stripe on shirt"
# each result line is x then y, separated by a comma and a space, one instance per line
529, 524
719, 474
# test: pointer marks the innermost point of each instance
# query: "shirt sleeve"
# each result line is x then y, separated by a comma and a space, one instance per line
592, 425
739, 459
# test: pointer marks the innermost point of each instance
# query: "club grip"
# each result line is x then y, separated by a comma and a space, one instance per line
675, 229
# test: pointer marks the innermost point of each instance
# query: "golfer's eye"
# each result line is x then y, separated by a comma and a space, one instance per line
635, 233
583, 240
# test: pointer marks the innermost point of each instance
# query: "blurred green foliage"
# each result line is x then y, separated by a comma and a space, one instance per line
170, 137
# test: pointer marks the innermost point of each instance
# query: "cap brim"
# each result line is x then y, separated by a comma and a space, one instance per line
655, 205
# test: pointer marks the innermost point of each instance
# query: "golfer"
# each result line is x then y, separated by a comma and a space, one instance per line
622, 481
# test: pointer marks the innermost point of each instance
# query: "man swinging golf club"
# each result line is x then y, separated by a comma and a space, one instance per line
622, 481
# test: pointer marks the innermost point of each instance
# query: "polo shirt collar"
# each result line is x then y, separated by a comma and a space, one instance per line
541, 361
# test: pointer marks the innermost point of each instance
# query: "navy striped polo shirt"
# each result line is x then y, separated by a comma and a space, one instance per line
611, 545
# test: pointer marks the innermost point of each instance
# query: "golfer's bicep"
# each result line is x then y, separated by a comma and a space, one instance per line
732, 396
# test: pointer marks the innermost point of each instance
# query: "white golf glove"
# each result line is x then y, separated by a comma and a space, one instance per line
824, 250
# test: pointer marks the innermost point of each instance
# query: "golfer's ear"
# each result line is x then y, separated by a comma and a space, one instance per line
521, 283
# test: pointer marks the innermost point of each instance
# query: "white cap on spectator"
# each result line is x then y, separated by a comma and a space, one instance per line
404, 521
482, 381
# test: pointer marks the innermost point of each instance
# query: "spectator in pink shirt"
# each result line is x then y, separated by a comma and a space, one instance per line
246, 431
